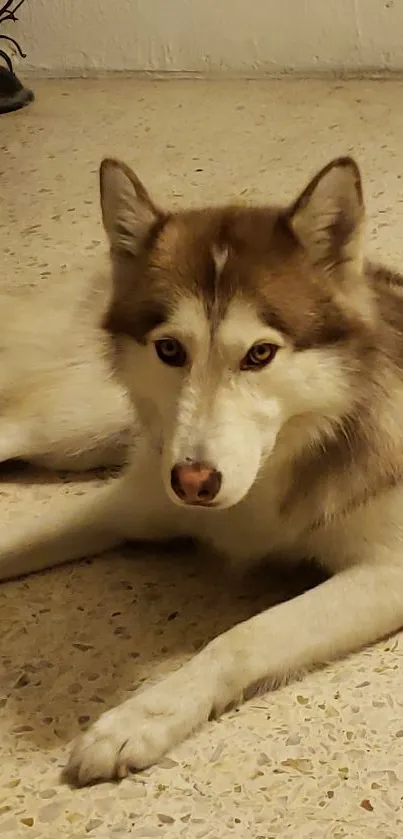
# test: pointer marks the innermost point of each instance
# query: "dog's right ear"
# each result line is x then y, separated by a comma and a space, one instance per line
128, 212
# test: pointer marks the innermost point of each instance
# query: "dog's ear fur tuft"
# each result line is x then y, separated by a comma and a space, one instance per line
327, 218
128, 212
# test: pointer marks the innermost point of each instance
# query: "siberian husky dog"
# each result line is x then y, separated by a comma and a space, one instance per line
264, 356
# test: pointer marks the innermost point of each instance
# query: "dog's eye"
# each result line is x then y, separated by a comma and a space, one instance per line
171, 352
259, 356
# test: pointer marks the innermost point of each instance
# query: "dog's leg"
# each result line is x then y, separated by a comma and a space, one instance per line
133, 506
72, 528
14, 440
353, 608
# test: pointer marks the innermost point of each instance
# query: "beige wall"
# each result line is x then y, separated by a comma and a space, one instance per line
238, 36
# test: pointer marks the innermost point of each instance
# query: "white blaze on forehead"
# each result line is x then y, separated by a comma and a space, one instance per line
220, 256
242, 327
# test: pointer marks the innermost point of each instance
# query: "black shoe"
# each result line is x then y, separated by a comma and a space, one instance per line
13, 95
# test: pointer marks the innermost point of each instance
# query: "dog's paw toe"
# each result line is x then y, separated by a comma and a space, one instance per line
94, 758
116, 745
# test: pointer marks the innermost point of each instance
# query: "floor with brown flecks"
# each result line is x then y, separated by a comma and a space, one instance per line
321, 759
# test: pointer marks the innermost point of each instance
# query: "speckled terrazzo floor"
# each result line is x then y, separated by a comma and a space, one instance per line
322, 758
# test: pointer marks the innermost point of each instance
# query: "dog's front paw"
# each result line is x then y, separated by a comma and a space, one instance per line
139, 732
121, 740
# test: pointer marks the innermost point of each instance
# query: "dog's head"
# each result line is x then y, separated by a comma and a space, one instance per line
244, 324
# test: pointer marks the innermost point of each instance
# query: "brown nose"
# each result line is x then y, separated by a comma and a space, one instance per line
195, 483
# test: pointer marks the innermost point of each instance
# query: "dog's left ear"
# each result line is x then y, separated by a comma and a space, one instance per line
128, 213
327, 218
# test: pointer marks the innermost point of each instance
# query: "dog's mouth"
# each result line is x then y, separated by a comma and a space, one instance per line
203, 505
199, 505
